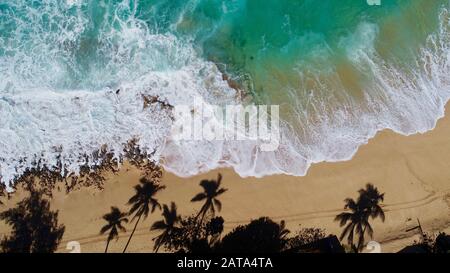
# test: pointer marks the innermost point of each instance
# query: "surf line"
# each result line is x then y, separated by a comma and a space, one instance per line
203, 121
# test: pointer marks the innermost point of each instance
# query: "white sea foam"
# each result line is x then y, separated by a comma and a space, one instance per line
43, 116
52, 108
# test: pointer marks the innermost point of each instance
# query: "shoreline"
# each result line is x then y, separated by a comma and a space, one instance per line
412, 170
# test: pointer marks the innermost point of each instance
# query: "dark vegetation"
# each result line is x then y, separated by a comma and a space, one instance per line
34, 225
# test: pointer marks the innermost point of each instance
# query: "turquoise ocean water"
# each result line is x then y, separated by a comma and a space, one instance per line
341, 70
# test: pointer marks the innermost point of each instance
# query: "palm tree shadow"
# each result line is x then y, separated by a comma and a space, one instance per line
143, 202
360, 211
211, 192
114, 221
34, 226
168, 225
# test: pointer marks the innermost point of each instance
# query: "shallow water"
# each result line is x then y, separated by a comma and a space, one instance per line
340, 70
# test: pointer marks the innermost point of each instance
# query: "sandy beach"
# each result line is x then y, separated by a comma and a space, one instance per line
412, 171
